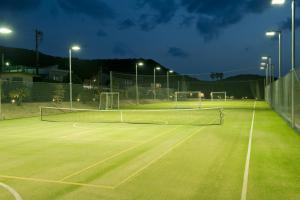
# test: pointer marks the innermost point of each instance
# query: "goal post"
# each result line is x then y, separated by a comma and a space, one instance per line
218, 96
109, 101
188, 98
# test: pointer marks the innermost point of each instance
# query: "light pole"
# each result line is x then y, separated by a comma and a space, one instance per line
136, 81
73, 48
154, 80
168, 82
293, 6
268, 60
264, 66
3, 31
272, 34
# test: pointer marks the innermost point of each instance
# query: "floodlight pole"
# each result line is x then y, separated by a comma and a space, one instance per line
293, 63
154, 84
168, 85
279, 53
0, 99
136, 84
70, 77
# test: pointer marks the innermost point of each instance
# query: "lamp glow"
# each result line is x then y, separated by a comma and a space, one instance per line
4, 30
171, 71
278, 2
271, 34
263, 64
264, 58
75, 48
140, 64
157, 68
7, 64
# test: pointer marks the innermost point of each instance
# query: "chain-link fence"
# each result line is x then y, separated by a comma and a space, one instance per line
23, 99
163, 87
279, 96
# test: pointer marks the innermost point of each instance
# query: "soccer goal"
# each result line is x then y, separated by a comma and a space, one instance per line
109, 101
218, 96
188, 99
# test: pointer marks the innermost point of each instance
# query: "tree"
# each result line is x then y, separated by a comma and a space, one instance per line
213, 75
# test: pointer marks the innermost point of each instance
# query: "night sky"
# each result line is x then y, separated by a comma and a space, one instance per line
189, 36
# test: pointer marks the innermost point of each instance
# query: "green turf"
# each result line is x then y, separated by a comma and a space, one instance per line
91, 161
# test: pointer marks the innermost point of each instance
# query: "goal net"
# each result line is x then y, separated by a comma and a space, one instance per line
188, 99
218, 96
109, 101
198, 116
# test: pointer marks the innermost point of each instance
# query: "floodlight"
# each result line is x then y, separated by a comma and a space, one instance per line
262, 68
75, 48
263, 64
271, 33
265, 58
5, 30
278, 2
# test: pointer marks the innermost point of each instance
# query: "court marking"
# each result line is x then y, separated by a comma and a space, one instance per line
159, 157
117, 154
57, 182
247, 164
12, 191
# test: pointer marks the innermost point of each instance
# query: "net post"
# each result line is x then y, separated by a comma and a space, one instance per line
41, 114
121, 115
0, 99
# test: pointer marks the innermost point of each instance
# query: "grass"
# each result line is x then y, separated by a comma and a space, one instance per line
89, 161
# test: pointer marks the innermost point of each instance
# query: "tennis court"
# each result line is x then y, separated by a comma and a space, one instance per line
75, 159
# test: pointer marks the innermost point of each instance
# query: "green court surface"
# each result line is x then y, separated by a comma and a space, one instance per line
115, 161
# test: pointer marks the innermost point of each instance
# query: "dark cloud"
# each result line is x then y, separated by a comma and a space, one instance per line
19, 5
96, 9
126, 24
287, 24
177, 52
213, 16
101, 33
187, 21
163, 12
121, 49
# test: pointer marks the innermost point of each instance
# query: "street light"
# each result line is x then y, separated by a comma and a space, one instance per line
293, 6
168, 82
7, 64
263, 66
154, 80
278, 2
273, 34
3, 31
268, 61
73, 48
136, 81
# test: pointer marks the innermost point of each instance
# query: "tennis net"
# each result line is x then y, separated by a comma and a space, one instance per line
199, 116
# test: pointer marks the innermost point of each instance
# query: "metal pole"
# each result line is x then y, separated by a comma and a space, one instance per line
154, 88
168, 86
111, 81
293, 63
0, 99
136, 84
70, 72
280, 54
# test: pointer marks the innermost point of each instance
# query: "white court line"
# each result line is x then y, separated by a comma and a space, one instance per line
12, 191
246, 173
